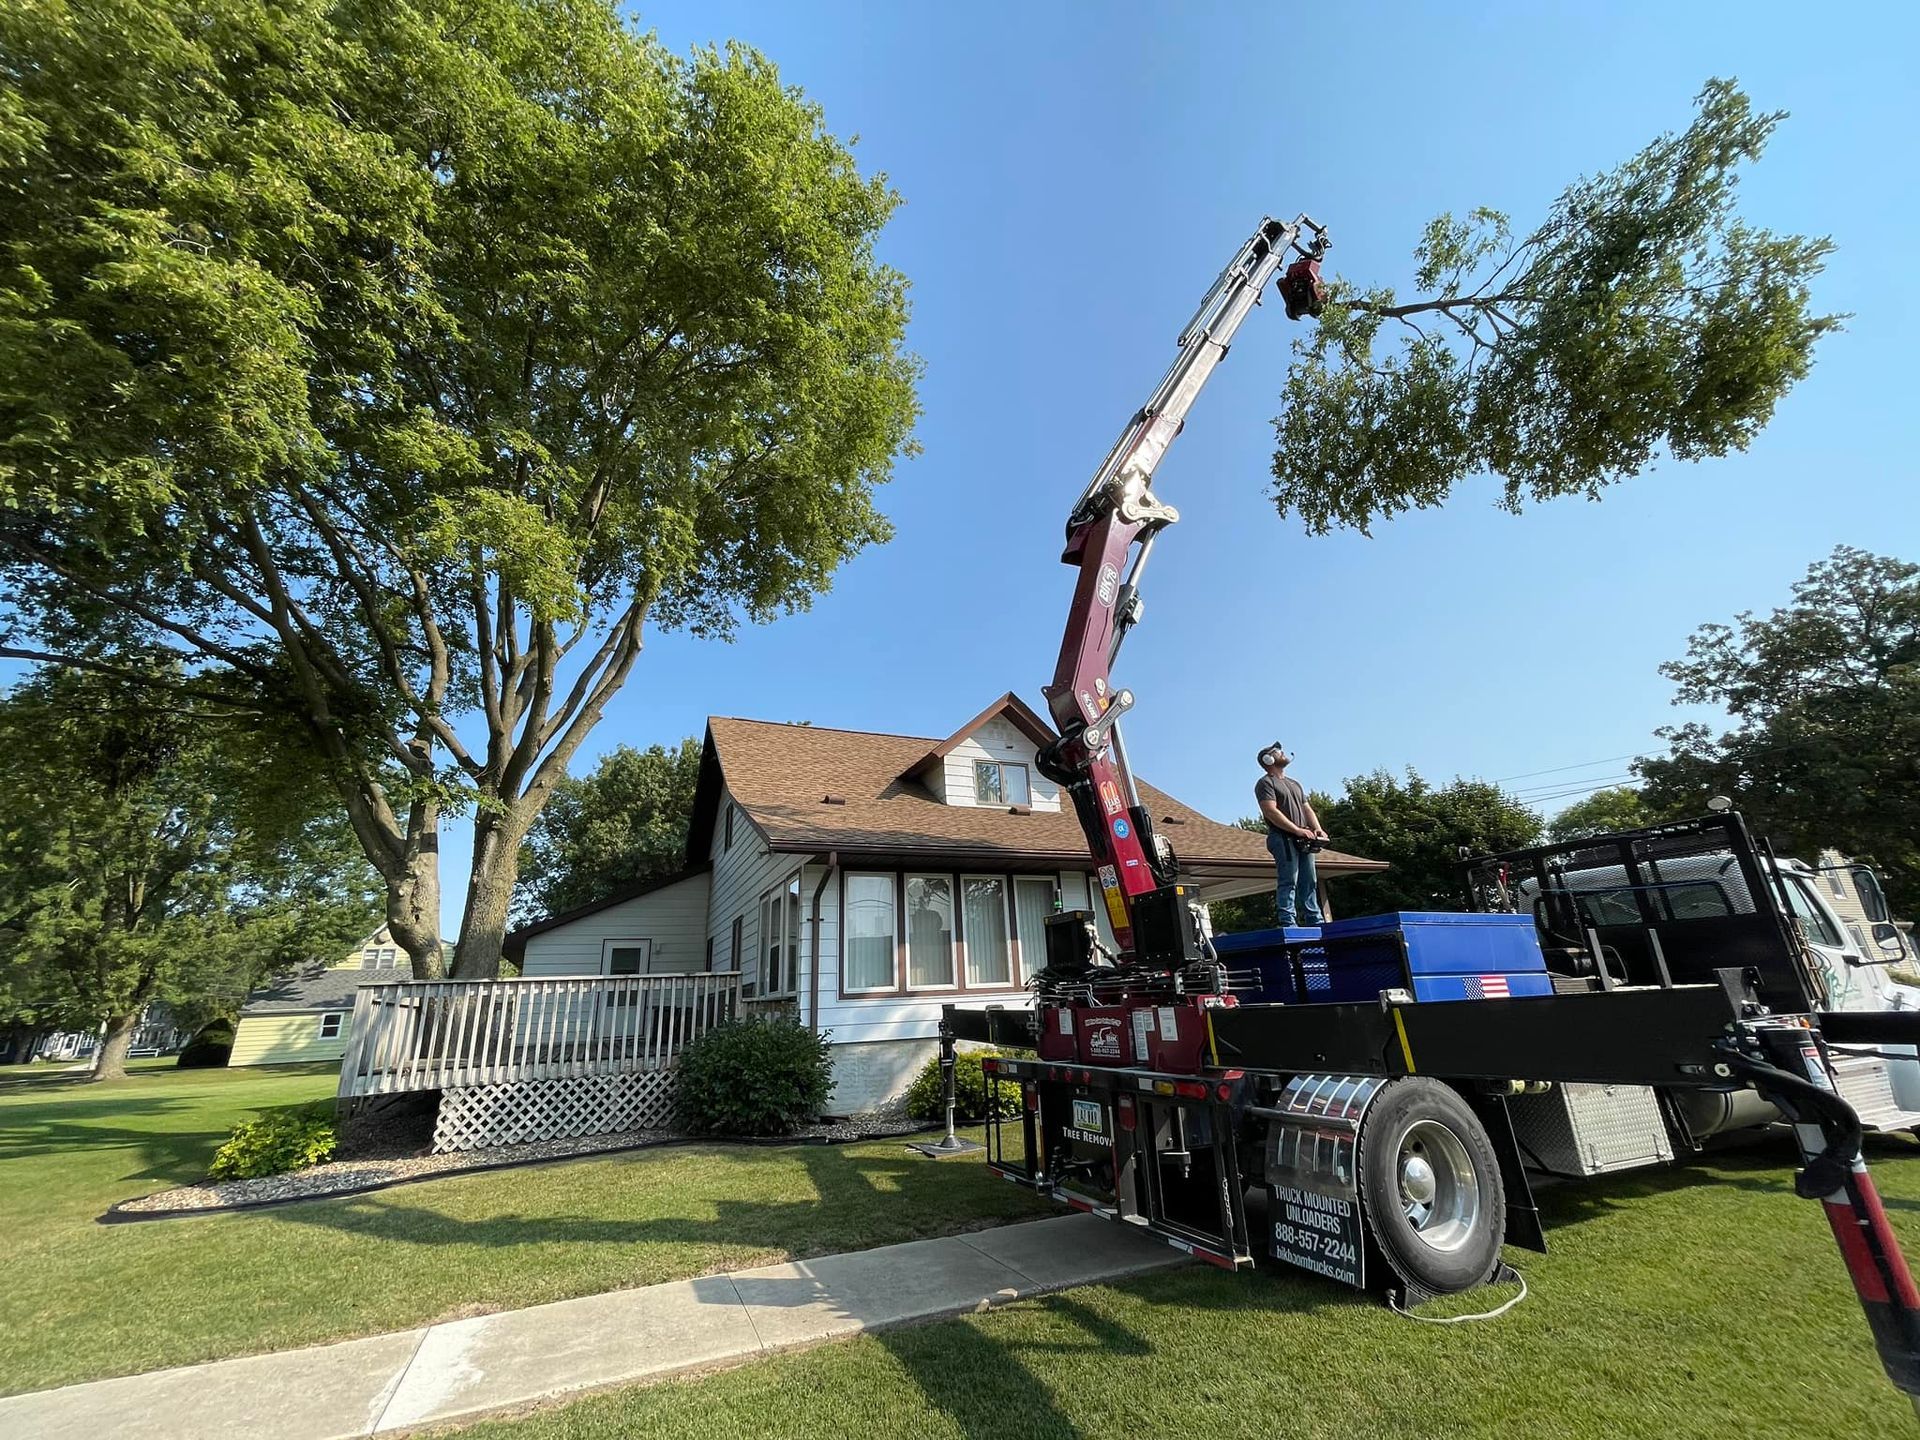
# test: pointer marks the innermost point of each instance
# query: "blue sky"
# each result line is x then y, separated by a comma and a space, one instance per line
1074, 177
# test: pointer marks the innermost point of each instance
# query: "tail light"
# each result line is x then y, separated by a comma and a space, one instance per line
1123, 1112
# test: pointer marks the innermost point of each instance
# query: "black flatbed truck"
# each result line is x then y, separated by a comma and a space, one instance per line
1379, 1129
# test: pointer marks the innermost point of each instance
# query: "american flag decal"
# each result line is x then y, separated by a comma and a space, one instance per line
1486, 987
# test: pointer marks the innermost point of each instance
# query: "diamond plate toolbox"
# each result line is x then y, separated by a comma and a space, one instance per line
1583, 1130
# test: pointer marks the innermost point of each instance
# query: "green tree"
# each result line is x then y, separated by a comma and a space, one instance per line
156, 855
1618, 807
1420, 829
1643, 313
1824, 695
407, 360
623, 824
1242, 913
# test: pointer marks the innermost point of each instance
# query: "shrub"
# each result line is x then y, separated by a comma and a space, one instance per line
210, 1047
291, 1137
927, 1098
753, 1077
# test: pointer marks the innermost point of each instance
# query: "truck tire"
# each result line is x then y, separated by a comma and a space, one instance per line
1430, 1186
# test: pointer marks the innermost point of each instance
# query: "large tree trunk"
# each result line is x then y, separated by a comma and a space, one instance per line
413, 898
112, 1061
496, 866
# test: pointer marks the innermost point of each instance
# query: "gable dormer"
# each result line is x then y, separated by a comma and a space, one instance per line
988, 763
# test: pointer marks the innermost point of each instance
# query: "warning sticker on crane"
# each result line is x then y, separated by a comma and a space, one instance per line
1116, 908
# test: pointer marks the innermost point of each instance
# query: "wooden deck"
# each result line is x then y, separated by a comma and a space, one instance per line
435, 1034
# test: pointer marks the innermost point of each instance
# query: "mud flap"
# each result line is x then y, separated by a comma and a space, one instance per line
1313, 1180
1523, 1216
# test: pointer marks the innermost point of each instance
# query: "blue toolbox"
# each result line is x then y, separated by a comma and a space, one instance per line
1438, 955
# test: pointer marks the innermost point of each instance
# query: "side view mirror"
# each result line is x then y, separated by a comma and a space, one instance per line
1889, 942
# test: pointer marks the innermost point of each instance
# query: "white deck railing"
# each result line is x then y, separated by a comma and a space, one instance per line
429, 1034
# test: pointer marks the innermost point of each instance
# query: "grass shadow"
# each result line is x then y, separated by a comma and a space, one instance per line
845, 1185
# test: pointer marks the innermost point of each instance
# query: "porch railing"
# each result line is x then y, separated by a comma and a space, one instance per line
430, 1034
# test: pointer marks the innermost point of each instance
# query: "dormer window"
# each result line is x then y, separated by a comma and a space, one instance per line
997, 782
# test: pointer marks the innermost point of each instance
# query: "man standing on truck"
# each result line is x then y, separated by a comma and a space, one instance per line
1293, 834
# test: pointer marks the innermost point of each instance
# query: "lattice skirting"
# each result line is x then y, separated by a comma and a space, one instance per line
475, 1117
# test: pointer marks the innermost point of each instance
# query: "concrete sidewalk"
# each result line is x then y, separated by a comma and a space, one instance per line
464, 1368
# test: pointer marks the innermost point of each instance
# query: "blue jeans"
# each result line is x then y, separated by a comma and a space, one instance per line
1294, 876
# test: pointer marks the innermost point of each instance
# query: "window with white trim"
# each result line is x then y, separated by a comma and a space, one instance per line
872, 929
1001, 782
379, 957
625, 957
930, 932
1035, 897
983, 913
780, 918
330, 1025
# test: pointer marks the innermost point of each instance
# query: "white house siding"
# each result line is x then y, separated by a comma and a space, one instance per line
995, 740
673, 917
741, 875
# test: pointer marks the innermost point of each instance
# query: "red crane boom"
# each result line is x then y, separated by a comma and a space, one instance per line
1110, 534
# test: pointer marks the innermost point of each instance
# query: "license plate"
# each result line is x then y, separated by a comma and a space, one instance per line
1089, 1115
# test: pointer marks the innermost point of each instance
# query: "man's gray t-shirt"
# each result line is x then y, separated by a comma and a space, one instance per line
1287, 795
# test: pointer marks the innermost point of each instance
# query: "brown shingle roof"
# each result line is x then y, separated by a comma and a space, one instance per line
779, 775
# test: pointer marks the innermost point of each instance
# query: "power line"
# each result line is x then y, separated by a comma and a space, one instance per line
1560, 795
1560, 769
1591, 783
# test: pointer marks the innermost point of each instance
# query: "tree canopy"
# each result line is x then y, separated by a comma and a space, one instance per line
405, 361
1420, 829
1643, 314
623, 824
149, 855
1824, 696
1417, 827
1618, 807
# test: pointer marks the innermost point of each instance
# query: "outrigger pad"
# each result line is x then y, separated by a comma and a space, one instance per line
944, 1150
1406, 1295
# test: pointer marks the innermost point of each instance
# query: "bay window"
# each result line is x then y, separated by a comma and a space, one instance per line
871, 932
1035, 897
984, 917
930, 932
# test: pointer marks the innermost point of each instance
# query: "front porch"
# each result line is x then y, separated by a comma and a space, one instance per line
528, 1059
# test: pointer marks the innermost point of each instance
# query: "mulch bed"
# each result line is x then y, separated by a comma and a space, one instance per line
366, 1173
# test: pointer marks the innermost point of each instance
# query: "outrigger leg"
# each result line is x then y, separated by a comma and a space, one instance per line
1788, 1065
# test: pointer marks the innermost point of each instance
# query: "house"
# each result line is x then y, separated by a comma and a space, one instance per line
301, 1017
862, 880
154, 1033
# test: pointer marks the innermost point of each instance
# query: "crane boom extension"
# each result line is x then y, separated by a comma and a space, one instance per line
1110, 534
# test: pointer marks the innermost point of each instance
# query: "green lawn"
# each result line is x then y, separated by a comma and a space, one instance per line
1703, 1302
82, 1301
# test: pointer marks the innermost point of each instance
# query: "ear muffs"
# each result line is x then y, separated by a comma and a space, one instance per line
1267, 757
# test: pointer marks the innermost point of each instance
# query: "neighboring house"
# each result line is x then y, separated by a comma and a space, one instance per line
302, 1016
154, 1033
863, 880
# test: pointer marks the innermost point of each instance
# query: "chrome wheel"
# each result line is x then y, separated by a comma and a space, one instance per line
1439, 1191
